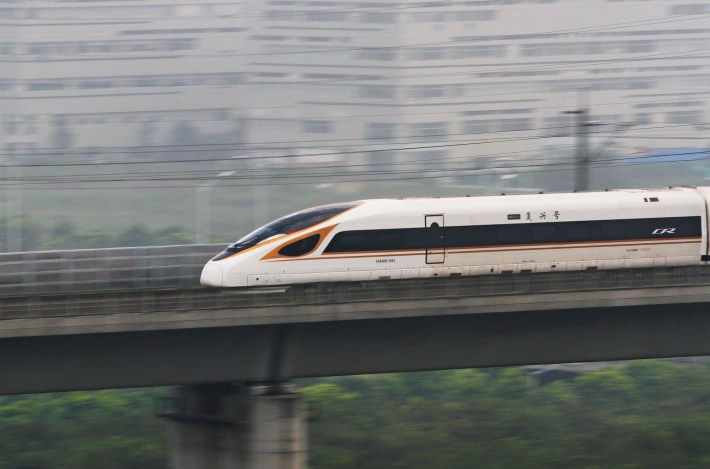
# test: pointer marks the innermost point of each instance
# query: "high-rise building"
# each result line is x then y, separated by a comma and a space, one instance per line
420, 85
113, 76
480, 83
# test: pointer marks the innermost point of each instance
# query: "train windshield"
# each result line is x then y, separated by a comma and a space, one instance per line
286, 225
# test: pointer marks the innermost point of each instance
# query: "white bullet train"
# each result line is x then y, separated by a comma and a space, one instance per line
438, 237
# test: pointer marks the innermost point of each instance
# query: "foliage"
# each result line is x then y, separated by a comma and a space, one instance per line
64, 234
82, 430
648, 414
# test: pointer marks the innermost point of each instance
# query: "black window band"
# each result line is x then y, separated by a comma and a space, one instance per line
515, 234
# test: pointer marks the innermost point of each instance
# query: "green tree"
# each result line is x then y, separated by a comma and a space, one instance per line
170, 235
136, 235
114, 429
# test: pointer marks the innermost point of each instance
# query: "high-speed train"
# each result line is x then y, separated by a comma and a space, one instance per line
459, 236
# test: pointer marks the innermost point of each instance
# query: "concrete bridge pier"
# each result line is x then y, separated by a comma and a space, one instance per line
225, 426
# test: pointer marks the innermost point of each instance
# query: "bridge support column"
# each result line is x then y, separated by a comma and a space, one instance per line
246, 427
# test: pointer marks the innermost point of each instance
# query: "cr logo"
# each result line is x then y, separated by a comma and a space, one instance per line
664, 231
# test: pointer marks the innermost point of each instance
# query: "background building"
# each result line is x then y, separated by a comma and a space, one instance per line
112, 76
482, 84
281, 104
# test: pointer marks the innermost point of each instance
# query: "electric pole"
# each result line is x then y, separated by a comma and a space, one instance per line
581, 164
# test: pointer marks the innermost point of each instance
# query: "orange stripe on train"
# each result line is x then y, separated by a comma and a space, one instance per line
485, 249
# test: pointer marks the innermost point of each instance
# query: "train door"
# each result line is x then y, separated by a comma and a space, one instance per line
435, 250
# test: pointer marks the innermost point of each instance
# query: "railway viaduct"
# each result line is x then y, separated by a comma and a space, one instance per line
111, 318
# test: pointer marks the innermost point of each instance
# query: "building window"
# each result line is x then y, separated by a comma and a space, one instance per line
380, 131
698, 9
317, 127
428, 91
465, 52
643, 118
496, 125
378, 53
428, 53
378, 17
430, 130
377, 91
45, 85
330, 16
683, 117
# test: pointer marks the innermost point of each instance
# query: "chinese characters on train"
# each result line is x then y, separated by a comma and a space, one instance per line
544, 215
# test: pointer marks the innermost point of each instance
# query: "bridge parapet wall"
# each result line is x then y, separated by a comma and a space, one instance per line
86, 270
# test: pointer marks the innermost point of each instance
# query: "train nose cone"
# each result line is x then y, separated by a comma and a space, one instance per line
212, 275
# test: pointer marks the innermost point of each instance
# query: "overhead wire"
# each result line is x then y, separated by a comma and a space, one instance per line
254, 172
241, 147
214, 148
349, 166
236, 147
398, 178
374, 176
419, 101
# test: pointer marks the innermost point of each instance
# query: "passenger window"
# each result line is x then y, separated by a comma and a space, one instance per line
300, 247
578, 231
543, 234
509, 234
389, 240
349, 241
613, 230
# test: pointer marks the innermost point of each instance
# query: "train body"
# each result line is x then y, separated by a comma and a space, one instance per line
460, 236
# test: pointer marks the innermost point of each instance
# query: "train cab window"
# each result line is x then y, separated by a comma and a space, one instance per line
306, 218
300, 247
286, 225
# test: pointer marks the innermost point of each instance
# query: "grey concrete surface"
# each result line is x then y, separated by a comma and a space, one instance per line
148, 336
224, 426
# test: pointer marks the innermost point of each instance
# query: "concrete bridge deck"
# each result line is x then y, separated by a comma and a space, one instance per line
142, 329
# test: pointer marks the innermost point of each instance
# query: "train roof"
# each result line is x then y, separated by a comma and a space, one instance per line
595, 204
607, 194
